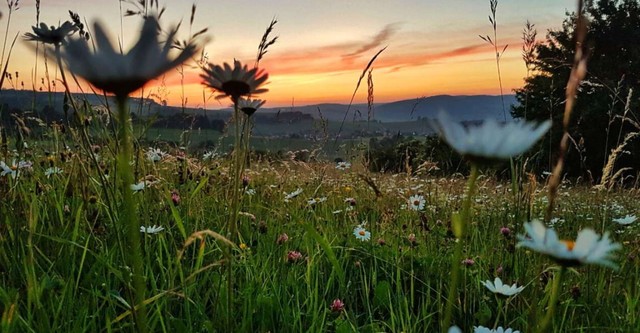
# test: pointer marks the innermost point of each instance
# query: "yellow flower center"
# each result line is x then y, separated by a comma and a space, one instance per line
416, 202
569, 244
14, 167
362, 232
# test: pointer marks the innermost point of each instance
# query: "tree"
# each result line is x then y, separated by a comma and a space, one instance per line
597, 124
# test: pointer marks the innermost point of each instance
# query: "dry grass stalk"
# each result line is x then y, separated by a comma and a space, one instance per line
608, 180
578, 72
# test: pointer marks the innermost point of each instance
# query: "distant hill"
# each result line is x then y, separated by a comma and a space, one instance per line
462, 108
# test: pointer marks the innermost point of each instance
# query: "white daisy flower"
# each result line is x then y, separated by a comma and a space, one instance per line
482, 329
589, 247
625, 220
249, 106
292, 195
53, 35
138, 187
123, 73
155, 154
52, 171
209, 155
151, 230
361, 233
343, 165
491, 140
454, 329
416, 202
250, 191
234, 82
497, 287
314, 201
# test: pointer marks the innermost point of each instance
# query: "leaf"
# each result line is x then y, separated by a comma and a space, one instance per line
457, 224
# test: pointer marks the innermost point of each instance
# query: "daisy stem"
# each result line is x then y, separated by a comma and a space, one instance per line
232, 228
553, 299
129, 217
457, 255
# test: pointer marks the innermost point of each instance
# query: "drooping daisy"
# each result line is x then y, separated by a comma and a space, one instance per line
588, 248
491, 140
343, 165
625, 220
53, 35
361, 233
416, 202
249, 106
209, 155
234, 82
123, 73
151, 230
497, 287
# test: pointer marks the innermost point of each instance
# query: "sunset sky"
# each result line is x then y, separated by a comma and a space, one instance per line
323, 46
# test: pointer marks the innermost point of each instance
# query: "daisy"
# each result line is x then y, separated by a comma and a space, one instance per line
343, 165
497, 287
234, 82
52, 171
482, 329
416, 202
151, 230
625, 220
361, 233
292, 195
491, 140
249, 106
209, 156
155, 154
588, 248
314, 201
53, 35
108, 69
137, 187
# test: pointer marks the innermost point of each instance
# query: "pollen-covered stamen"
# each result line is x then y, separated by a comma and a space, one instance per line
569, 244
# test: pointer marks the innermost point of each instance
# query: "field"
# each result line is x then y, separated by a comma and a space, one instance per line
108, 224
64, 267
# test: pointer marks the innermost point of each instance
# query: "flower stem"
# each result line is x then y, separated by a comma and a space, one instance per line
457, 255
128, 216
553, 299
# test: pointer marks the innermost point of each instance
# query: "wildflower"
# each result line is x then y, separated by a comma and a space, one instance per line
175, 197
122, 74
250, 191
292, 195
138, 187
412, 239
468, 262
283, 238
151, 230
482, 329
351, 201
245, 181
209, 156
234, 82
361, 233
497, 287
13, 170
249, 106
294, 256
243, 246
314, 201
505, 231
343, 165
337, 305
454, 329
490, 141
381, 242
625, 220
416, 202
53, 35
588, 248
52, 171
155, 154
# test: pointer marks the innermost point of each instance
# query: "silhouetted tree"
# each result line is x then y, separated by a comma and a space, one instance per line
613, 40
